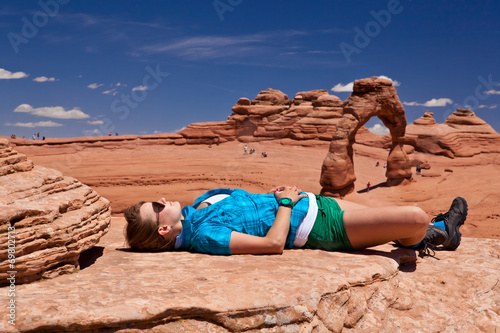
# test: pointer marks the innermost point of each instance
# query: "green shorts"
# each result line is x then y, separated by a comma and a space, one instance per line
328, 232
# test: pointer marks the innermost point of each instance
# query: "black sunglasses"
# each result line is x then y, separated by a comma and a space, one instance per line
158, 207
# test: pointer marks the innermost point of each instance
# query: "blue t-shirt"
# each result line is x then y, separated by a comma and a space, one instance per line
208, 230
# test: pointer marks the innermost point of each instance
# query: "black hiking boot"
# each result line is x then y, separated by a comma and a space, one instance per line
434, 237
453, 220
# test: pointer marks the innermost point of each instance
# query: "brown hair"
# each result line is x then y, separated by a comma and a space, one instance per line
142, 234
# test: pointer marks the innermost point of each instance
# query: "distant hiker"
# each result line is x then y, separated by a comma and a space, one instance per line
377, 164
218, 141
419, 169
368, 187
246, 148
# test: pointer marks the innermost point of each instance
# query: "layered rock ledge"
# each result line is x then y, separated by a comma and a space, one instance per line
463, 134
382, 289
46, 219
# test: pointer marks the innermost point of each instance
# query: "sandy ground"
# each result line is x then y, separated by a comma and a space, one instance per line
128, 173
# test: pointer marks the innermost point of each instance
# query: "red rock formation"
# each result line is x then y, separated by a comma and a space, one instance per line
370, 97
426, 119
311, 115
316, 115
463, 134
49, 218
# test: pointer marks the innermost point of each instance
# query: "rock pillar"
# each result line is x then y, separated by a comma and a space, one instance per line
370, 97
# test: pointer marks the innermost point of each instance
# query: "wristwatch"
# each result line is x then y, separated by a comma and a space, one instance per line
287, 202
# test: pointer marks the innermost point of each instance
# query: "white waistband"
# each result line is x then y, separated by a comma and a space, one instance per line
307, 223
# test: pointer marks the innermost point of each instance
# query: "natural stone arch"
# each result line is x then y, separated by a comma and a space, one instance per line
370, 97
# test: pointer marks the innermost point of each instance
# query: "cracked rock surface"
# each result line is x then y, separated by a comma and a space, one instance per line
383, 289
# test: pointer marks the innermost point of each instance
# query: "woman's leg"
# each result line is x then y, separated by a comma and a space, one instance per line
374, 226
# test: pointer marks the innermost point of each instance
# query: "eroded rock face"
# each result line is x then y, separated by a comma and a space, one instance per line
426, 119
370, 97
463, 134
51, 218
311, 115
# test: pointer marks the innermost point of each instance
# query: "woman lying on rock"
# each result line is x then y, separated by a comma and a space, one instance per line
224, 221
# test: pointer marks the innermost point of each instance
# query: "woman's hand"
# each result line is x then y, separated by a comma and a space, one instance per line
276, 189
292, 192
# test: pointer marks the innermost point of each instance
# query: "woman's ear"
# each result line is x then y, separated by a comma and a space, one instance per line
164, 230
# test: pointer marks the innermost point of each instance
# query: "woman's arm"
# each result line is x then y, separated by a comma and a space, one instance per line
203, 205
275, 239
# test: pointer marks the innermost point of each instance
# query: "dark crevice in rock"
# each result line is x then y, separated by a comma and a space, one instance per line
90, 256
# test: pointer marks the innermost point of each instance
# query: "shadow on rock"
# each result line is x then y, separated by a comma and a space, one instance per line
383, 184
406, 258
90, 256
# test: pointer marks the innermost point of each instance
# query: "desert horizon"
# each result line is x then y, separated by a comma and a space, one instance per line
184, 172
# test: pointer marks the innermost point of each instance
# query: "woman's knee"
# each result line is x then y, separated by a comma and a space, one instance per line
417, 217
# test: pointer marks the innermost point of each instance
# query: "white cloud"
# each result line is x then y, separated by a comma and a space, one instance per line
323, 52
94, 85
435, 102
394, 82
94, 131
140, 88
349, 86
379, 129
95, 122
52, 112
492, 92
214, 47
38, 124
6, 75
438, 102
45, 79
110, 92
487, 106
120, 85
339, 87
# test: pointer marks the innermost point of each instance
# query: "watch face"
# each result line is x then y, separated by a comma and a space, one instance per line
286, 201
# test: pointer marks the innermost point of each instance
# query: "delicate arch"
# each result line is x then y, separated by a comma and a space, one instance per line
370, 97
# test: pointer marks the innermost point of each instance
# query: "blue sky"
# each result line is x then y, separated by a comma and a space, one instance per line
73, 68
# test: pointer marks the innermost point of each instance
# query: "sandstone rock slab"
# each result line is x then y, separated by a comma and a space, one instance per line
46, 221
383, 289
